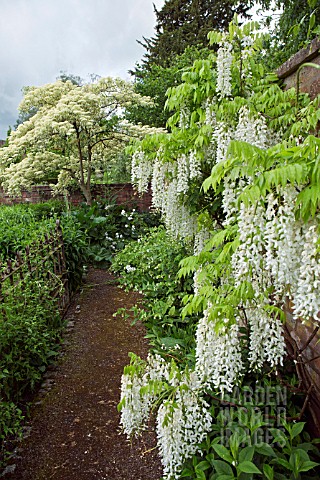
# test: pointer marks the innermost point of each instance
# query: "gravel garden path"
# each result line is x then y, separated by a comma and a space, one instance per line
74, 429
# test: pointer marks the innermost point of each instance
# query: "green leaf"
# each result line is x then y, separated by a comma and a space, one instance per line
279, 436
226, 477
246, 454
248, 467
308, 201
296, 429
268, 472
204, 465
265, 449
293, 173
223, 452
200, 475
187, 472
222, 467
308, 465
250, 195
170, 342
284, 463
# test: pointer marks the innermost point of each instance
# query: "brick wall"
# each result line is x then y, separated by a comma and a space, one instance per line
303, 337
309, 76
122, 193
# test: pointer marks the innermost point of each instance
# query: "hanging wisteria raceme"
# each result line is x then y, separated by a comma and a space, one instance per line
224, 63
247, 50
194, 166
141, 171
252, 129
158, 183
136, 407
247, 261
184, 118
223, 135
210, 116
137, 399
307, 296
266, 337
230, 196
182, 423
283, 242
176, 215
183, 174
218, 354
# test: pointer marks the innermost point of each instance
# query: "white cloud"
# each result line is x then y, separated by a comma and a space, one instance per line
40, 38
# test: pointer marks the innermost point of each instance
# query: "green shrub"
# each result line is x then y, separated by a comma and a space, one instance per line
76, 246
30, 328
19, 227
108, 227
150, 265
51, 208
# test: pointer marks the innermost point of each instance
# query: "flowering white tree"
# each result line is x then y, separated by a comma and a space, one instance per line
73, 132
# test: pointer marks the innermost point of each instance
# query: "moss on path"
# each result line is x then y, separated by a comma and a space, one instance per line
75, 427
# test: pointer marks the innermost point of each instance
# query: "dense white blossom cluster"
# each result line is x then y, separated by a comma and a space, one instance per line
283, 241
158, 182
136, 397
307, 295
182, 423
230, 195
224, 63
136, 408
223, 135
194, 166
247, 260
141, 171
169, 183
252, 129
210, 117
266, 338
69, 138
183, 174
278, 251
218, 354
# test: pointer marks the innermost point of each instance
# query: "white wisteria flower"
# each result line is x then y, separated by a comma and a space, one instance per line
182, 423
218, 354
224, 63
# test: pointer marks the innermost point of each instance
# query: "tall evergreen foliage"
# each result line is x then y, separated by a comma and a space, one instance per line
154, 80
181, 23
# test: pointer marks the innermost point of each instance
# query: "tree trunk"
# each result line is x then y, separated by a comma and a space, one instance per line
86, 192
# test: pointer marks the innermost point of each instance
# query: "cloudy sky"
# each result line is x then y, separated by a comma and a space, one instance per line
41, 38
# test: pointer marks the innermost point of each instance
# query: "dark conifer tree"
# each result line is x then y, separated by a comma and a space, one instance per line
183, 23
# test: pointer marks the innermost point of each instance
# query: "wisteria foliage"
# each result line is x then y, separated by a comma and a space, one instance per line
259, 249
